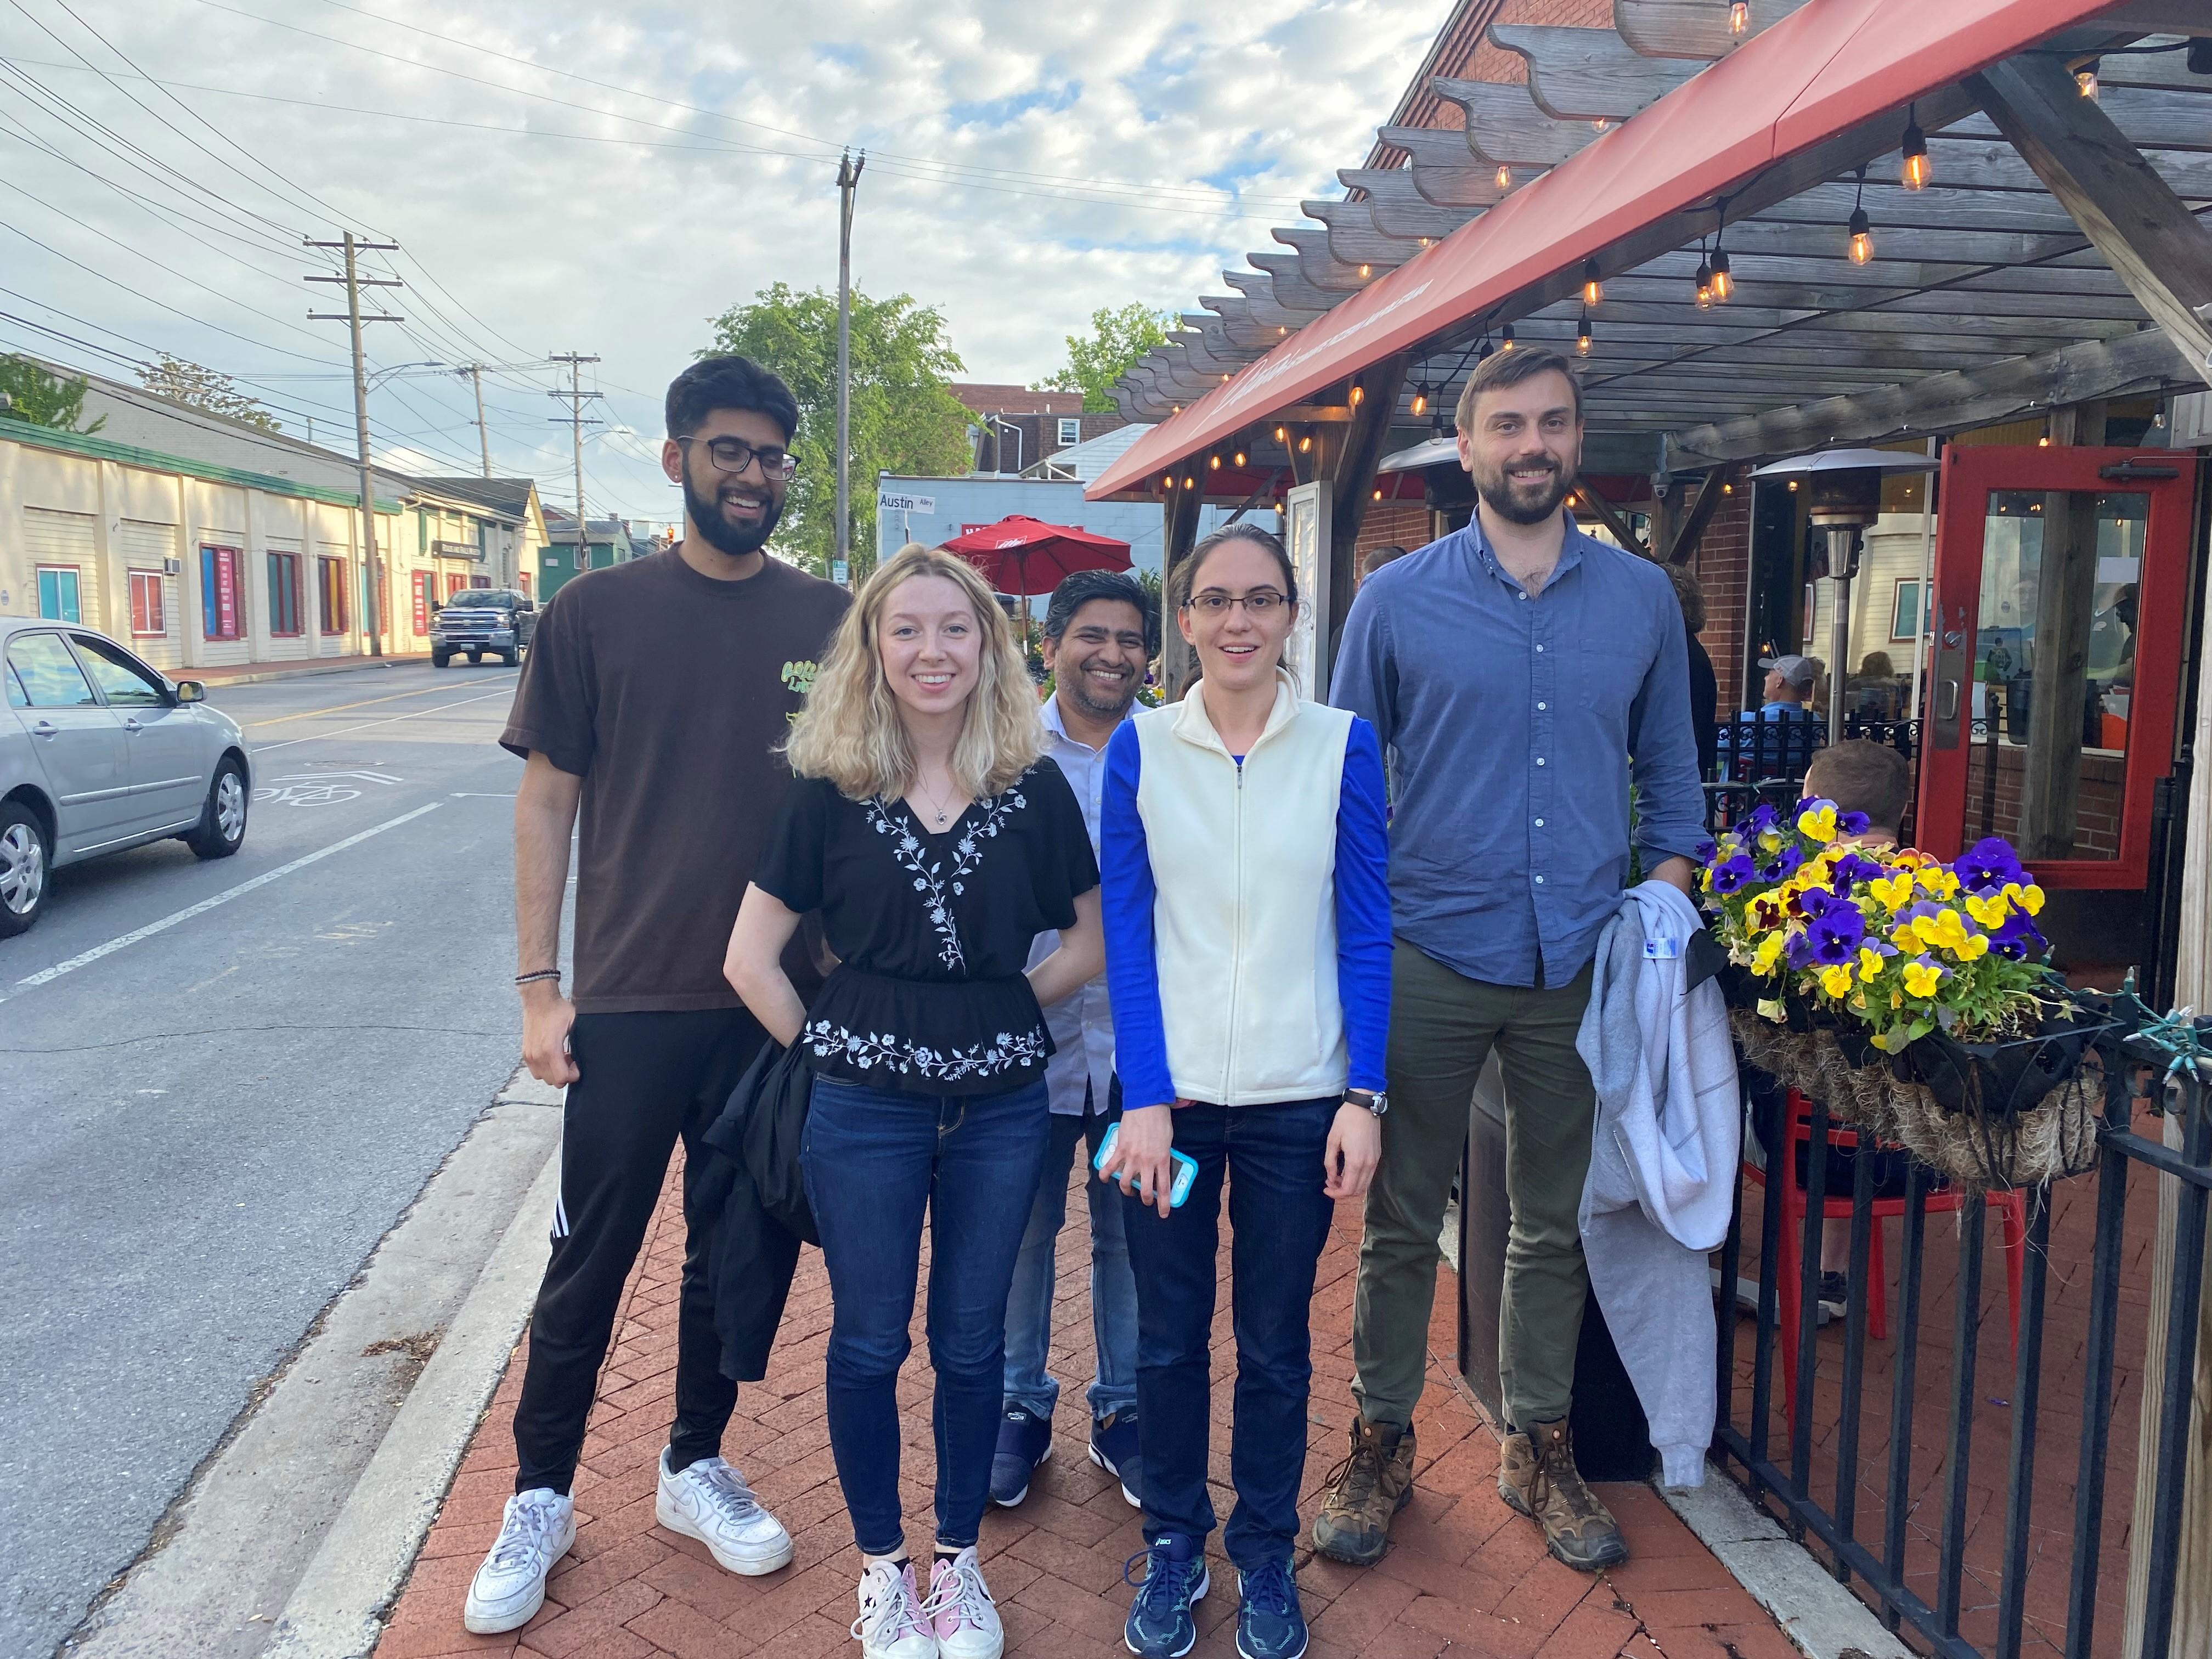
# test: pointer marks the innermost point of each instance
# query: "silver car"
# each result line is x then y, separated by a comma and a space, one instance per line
99, 752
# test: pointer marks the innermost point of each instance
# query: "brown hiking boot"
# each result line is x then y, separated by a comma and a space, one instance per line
1536, 1475
1365, 1492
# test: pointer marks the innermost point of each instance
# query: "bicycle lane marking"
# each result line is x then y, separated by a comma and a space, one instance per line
86, 959
267, 748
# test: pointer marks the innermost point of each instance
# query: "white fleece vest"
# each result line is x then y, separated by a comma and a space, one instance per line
1245, 921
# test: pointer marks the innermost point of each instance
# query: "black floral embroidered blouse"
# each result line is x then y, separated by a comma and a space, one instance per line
931, 932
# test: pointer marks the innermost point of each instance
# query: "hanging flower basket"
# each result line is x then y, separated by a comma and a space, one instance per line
1911, 997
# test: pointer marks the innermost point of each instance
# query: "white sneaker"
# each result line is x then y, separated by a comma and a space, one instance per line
961, 1610
892, 1625
507, 1590
711, 1502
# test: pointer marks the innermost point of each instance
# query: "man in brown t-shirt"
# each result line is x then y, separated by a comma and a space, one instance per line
649, 713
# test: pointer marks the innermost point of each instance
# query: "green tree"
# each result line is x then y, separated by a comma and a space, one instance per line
904, 418
42, 399
208, 388
1119, 339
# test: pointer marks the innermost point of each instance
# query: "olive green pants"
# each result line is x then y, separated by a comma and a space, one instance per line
1442, 1028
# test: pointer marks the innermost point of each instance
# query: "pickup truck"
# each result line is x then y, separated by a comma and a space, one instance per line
481, 621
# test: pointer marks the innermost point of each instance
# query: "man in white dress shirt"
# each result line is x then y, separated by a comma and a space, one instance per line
1101, 629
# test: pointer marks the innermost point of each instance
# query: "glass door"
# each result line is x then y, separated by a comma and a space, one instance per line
2058, 631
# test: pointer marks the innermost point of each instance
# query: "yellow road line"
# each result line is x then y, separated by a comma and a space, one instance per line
340, 708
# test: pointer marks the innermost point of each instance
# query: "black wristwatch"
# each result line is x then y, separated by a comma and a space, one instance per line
1374, 1100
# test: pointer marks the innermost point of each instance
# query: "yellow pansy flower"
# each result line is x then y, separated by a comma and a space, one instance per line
1974, 947
1921, 978
2029, 898
1869, 962
1935, 880
1892, 892
1819, 824
1944, 930
1768, 952
1836, 980
1990, 912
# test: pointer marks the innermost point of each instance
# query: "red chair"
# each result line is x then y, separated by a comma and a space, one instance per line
2010, 1206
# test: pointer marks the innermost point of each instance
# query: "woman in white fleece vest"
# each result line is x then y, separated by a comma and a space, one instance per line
1243, 862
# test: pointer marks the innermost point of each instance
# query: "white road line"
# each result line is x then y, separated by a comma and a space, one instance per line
267, 748
224, 897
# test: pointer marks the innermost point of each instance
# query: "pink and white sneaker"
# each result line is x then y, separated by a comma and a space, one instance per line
961, 1611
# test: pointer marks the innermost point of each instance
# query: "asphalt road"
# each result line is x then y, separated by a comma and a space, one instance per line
208, 1129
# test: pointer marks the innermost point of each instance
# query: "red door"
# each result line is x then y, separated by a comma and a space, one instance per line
2060, 590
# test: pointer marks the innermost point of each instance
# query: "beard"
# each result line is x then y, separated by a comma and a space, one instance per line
1522, 503
704, 509
1082, 693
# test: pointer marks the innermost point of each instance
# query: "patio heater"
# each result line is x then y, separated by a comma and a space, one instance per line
1842, 491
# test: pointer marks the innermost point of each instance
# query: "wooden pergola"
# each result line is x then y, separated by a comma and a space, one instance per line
2056, 255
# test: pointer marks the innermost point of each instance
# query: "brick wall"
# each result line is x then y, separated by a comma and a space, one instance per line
1403, 523
2096, 812
1723, 565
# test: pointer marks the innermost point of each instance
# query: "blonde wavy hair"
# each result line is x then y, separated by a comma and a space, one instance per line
850, 731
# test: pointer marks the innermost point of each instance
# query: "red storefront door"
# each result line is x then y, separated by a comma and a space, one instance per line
2060, 591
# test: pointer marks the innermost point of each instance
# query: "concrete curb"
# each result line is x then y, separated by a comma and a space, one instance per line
336, 1611
215, 680
1826, 1620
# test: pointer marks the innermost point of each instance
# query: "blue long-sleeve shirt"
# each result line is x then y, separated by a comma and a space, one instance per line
1129, 894
1519, 722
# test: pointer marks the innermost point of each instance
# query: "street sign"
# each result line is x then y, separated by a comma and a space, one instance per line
840, 572
888, 502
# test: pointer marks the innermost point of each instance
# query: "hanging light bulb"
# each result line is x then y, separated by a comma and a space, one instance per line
1363, 272
1213, 463
1425, 242
1378, 495
1421, 400
1238, 461
1189, 482
2086, 78
1305, 444
1281, 435
1359, 394
1739, 16
1704, 277
1583, 337
1168, 483
1723, 282
1915, 172
1861, 226
1282, 328
1505, 337
1504, 177
1600, 123
1593, 289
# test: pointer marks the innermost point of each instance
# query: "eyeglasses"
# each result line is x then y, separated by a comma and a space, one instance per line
1259, 605
734, 455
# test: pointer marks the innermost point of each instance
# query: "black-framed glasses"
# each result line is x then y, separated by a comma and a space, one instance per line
734, 455
1259, 603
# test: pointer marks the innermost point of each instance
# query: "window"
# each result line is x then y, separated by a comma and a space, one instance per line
123, 681
332, 575
147, 619
49, 675
455, 583
220, 610
1071, 430
284, 596
57, 593
426, 599
1900, 615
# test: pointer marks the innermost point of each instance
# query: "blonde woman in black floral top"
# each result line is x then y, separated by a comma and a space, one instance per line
937, 844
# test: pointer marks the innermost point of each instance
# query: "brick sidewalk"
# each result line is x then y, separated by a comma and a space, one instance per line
1463, 1575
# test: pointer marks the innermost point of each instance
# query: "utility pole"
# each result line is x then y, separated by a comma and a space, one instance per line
848, 180
371, 566
475, 372
577, 398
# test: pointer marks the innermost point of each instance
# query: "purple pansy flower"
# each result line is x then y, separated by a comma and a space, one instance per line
1799, 950
1853, 868
1763, 817
1836, 935
1988, 866
1815, 902
1706, 848
1782, 865
2019, 938
1731, 875
1853, 823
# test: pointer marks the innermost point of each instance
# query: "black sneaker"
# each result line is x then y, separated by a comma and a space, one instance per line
1835, 1296
1025, 1441
1114, 1448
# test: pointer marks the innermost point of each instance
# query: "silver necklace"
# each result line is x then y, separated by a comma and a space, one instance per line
940, 814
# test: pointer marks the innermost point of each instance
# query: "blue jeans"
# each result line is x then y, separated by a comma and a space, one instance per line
1272, 1156
1112, 1290
873, 1159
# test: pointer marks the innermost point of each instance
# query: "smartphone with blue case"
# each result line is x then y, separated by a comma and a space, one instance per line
1185, 1166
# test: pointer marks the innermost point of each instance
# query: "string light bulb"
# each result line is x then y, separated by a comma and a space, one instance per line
2086, 78
1739, 16
1359, 394
1305, 444
1593, 289
1583, 337
1723, 283
1861, 226
1238, 461
1213, 463
1378, 495
1363, 272
1504, 177
1704, 278
1421, 400
1189, 482
1505, 337
1425, 242
1916, 173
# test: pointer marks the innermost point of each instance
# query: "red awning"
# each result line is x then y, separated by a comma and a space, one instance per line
1818, 73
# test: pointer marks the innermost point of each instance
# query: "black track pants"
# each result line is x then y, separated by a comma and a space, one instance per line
645, 1079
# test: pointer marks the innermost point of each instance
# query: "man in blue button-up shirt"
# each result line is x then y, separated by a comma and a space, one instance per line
1524, 674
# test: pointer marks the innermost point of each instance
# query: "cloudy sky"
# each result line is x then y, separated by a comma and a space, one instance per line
605, 179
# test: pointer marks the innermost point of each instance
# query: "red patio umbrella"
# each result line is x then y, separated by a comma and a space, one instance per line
1023, 556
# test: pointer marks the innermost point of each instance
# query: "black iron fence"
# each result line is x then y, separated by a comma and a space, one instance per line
2146, 1065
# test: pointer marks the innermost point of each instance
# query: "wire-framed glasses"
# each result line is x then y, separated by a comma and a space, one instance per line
1259, 603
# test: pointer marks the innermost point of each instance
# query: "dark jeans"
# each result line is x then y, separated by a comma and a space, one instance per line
1272, 1157
873, 1159
644, 1080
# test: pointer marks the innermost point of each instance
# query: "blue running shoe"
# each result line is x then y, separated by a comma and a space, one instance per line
1025, 1441
1270, 1625
1160, 1625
